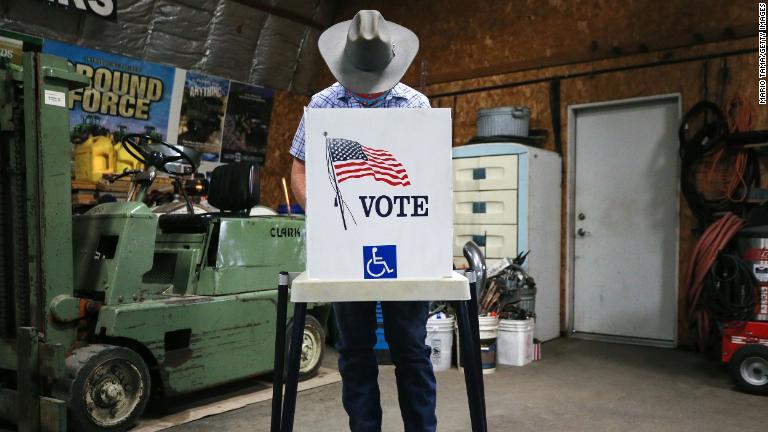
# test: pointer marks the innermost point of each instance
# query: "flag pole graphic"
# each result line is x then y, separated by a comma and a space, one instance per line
332, 173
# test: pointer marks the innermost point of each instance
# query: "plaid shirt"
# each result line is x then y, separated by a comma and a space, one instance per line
336, 96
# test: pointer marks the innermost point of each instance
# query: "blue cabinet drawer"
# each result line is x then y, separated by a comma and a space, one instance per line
486, 207
497, 241
485, 173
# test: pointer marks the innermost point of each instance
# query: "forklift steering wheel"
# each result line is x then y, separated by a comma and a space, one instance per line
140, 147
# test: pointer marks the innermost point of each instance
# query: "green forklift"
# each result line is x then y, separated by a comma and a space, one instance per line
101, 311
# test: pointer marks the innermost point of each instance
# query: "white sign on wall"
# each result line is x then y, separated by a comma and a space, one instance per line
379, 202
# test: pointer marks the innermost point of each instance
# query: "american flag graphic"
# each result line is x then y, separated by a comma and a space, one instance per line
352, 160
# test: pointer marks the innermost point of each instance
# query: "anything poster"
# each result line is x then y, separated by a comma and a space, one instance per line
246, 124
202, 114
10, 51
126, 95
178, 106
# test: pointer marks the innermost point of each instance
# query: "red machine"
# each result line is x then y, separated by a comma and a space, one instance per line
754, 245
745, 344
745, 350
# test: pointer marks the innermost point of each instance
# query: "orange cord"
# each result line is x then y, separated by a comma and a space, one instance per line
712, 241
735, 189
738, 113
738, 184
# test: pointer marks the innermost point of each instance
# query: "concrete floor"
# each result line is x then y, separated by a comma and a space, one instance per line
578, 386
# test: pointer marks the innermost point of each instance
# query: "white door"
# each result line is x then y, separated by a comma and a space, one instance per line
624, 220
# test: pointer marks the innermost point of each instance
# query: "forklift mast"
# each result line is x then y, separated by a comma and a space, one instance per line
36, 265
91, 326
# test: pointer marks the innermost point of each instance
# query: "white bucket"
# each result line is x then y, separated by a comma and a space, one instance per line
489, 327
440, 340
515, 342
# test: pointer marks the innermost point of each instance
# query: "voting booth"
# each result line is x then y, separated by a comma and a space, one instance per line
379, 207
379, 228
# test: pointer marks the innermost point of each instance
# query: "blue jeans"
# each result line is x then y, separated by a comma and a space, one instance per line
405, 330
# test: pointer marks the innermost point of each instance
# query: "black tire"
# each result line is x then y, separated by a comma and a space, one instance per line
749, 369
313, 349
110, 388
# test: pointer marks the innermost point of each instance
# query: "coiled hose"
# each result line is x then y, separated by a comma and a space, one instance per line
709, 246
729, 290
704, 132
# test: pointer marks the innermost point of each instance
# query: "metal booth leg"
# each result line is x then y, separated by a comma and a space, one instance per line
283, 419
294, 360
469, 337
473, 311
280, 325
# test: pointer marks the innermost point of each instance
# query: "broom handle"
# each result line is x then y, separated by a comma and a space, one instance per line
287, 200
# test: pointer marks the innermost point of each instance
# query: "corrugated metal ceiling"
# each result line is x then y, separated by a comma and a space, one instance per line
269, 43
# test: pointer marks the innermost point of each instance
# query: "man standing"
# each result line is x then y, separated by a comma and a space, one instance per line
368, 56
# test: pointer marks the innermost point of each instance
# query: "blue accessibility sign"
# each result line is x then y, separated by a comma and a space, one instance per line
380, 262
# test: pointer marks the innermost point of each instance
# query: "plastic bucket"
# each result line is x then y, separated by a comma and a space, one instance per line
489, 328
440, 341
515, 339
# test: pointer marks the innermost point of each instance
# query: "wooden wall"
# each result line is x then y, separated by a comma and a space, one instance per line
471, 38
684, 78
464, 42
286, 113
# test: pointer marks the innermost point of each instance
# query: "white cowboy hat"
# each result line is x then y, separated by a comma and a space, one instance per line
368, 54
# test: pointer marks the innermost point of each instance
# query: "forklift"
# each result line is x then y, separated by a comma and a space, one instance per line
101, 311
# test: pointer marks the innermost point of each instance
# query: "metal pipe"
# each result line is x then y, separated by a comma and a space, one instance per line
474, 325
294, 362
593, 73
472, 379
476, 260
279, 366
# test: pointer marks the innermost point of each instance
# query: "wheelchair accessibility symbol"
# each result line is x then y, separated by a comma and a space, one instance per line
380, 262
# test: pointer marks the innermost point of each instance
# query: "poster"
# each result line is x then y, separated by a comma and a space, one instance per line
202, 114
246, 124
379, 198
10, 51
125, 96
175, 105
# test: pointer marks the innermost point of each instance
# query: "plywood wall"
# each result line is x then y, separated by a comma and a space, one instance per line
685, 78
474, 37
286, 114
459, 39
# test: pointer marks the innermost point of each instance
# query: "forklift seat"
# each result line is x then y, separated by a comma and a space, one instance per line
234, 190
234, 187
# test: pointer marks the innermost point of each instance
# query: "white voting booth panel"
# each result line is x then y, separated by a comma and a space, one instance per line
379, 206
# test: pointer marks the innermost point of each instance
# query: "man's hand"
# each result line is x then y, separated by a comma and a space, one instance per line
299, 182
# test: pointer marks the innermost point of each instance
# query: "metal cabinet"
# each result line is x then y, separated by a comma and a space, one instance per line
507, 200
